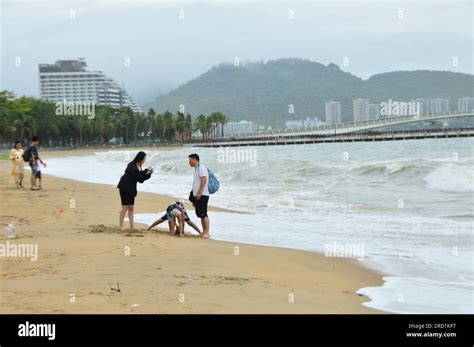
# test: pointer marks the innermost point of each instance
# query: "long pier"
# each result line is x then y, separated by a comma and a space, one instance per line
294, 139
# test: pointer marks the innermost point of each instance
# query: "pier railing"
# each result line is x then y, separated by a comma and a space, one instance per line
287, 139
346, 127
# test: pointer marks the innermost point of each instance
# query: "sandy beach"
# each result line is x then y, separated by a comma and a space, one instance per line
87, 265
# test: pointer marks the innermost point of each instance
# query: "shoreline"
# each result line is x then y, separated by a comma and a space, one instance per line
82, 254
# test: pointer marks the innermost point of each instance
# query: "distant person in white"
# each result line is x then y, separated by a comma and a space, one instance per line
199, 196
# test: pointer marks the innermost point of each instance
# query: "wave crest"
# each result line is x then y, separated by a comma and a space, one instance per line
452, 178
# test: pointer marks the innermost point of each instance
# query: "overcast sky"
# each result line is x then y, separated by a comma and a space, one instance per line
165, 50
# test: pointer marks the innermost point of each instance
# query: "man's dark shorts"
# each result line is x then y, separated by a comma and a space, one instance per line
200, 205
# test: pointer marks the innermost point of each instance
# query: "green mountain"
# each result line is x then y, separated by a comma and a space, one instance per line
262, 92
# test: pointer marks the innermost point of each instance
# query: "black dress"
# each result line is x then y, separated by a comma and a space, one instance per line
128, 183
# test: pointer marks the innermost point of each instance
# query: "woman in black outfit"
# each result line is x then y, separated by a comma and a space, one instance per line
128, 185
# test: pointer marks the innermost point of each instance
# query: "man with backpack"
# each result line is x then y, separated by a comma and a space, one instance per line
31, 157
199, 196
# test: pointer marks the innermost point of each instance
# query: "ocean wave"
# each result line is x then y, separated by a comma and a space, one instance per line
389, 168
451, 178
169, 168
313, 174
385, 168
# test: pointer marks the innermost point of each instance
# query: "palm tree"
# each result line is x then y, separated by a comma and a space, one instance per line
158, 127
180, 125
7, 130
67, 129
104, 124
83, 126
151, 121
212, 121
167, 124
25, 116
188, 127
21, 125
45, 122
20, 112
201, 124
139, 120
126, 122
221, 119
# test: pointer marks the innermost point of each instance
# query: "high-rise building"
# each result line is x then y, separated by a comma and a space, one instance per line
374, 111
234, 128
439, 105
361, 109
68, 80
333, 112
466, 104
425, 105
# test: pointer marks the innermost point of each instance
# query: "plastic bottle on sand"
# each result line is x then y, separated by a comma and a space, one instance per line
10, 231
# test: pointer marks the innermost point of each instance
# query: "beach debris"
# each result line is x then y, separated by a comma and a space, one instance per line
61, 209
134, 234
10, 231
135, 305
116, 289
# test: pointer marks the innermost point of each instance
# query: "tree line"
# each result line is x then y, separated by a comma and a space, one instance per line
22, 117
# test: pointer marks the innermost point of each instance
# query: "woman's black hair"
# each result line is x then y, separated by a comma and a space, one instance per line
16, 142
139, 157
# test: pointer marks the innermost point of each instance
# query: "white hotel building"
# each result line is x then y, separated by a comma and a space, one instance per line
333, 112
439, 105
361, 109
466, 104
68, 80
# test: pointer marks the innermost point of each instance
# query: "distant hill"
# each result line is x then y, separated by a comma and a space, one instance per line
261, 92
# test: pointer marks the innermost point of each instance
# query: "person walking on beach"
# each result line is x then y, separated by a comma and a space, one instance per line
128, 185
168, 217
38, 173
18, 164
31, 156
199, 196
